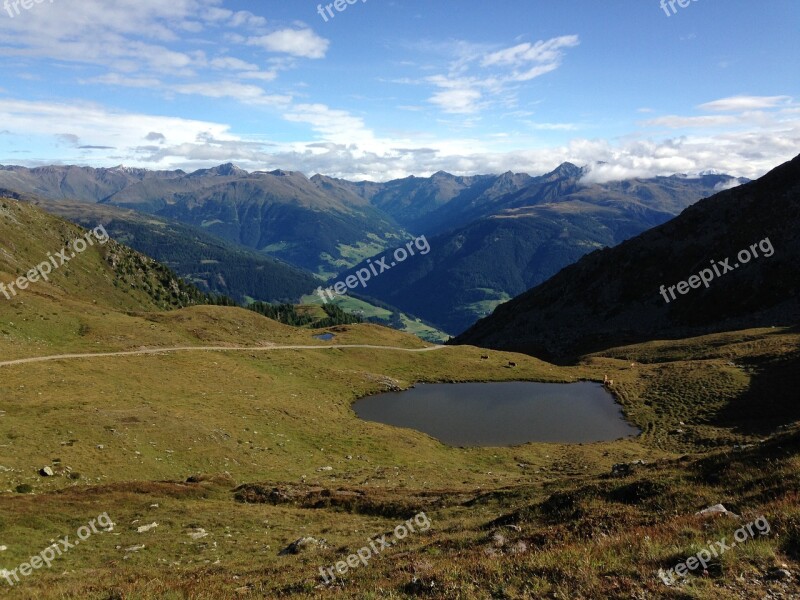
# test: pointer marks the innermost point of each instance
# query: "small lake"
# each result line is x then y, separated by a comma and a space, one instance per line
502, 414
325, 337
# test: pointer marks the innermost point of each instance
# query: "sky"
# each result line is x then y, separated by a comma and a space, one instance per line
389, 88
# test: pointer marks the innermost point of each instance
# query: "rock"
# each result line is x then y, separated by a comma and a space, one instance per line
134, 548
779, 574
146, 528
46, 472
621, 470
325, 469
519, 548
302, 544
717, 509
100, 446
3, 548
198, 533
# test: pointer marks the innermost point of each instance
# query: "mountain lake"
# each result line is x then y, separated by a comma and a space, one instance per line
502, 414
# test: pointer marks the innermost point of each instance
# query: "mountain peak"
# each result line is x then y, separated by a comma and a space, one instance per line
566, 170
226, 170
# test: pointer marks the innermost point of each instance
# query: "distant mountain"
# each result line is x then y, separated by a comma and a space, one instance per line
411, 201
520, 239
77, 183
280, 213
614, 296
493, 236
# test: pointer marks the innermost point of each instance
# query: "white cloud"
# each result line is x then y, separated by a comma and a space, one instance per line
103, 126
158, 45
477, 80
738, 103
727, 185
332, 125
678, 122
297, 42
247, 94
523, 54
463, 100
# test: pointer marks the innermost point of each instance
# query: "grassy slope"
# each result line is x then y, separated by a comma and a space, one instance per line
277, 417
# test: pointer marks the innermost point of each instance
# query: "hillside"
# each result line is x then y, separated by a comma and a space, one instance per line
210, 263
614, 296
105, 273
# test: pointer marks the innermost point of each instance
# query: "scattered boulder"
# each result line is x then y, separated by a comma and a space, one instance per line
325, 469
301, 545
198, 533
779, 574
146, 528
46, 472
717, 509
621, 470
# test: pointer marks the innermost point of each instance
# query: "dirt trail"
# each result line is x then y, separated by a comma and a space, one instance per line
22, 361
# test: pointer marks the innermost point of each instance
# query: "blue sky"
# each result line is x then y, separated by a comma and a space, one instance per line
389, 88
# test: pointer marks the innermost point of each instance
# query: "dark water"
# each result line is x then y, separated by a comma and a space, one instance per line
502, 414
327, 337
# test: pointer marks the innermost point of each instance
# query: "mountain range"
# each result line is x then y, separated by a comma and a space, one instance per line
492, 236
